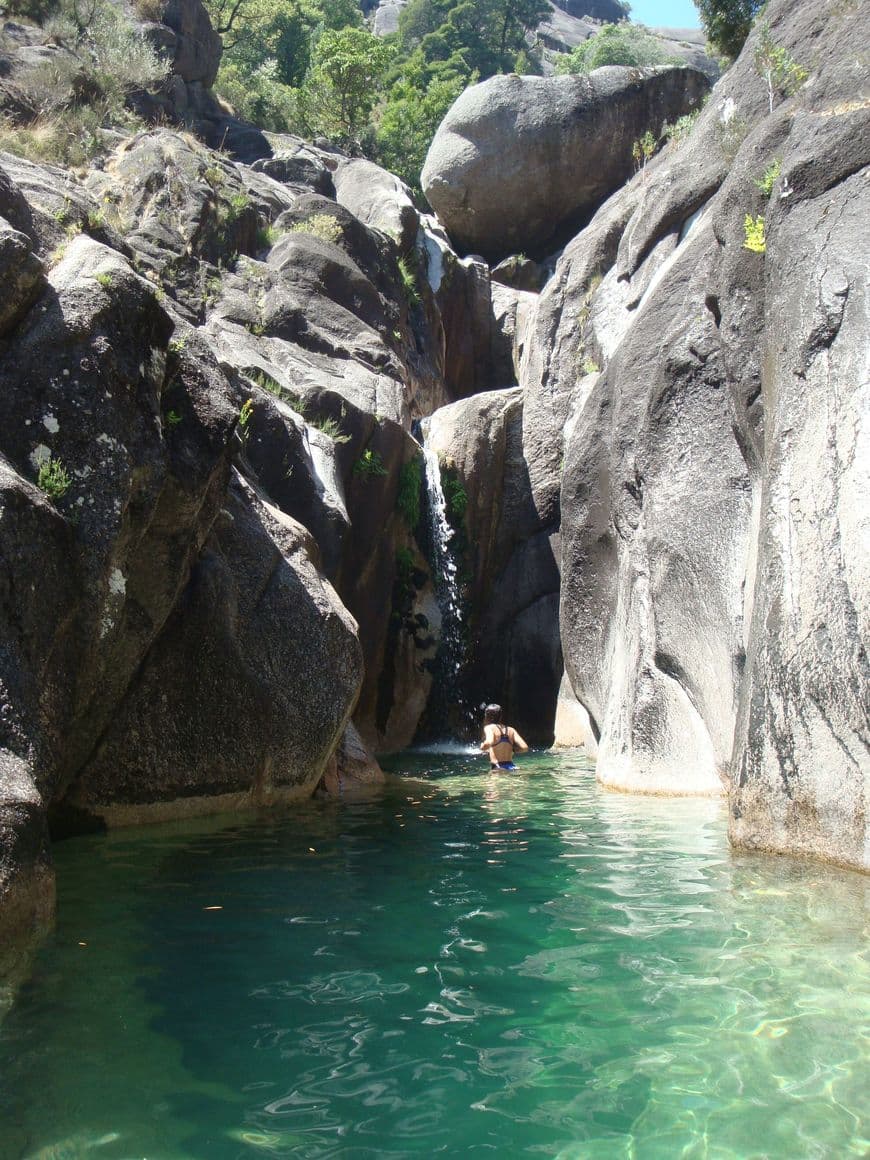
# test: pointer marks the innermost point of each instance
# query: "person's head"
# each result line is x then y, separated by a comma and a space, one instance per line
492, 715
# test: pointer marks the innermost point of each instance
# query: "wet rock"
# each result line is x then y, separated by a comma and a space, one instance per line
510, 599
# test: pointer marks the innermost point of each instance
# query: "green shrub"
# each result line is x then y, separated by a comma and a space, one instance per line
677, 131
369, 465
628, 44
53, 478
330, 427
727, 22
409, 282
455, 496
245, 416
643, 149
778, 68
770, 178
408, 496
81, 91
321, 225
753, 228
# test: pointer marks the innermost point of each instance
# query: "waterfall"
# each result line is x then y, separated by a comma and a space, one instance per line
446, 696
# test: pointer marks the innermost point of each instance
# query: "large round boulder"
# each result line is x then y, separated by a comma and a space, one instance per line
520, 160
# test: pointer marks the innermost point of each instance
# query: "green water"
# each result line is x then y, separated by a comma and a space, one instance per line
512, 965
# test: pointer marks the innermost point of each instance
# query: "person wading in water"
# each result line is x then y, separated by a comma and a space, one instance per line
499, 741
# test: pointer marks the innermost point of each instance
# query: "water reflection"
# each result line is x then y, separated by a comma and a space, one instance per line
520, 964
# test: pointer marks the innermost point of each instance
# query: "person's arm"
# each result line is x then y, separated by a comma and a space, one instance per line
487, 742
518, 742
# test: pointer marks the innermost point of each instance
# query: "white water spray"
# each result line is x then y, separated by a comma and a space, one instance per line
445, 576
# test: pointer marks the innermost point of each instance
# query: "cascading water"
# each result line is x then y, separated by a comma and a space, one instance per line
446, 699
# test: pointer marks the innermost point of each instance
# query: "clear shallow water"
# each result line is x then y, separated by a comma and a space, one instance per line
520, 966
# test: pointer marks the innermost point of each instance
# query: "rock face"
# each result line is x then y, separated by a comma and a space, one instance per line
713, 394
508, 554
519, 160
801, 768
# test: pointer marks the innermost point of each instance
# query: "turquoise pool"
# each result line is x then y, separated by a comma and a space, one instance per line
520, 966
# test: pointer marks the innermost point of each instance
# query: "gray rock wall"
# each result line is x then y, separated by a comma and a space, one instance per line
714, 400
519, 160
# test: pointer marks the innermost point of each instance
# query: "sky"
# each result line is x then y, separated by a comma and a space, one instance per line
667, 13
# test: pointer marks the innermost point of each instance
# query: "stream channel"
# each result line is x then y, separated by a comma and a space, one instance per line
512, 965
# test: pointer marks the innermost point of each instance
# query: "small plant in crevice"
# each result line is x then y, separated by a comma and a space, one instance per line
173, 418
675, 132
409, 282
267, 236
330, 427
245, 416
777, 68
320, 225
590, 367
408, 497
753, 228
369, 465
769, 179
53, 479
104, 279
642, 150
455, 495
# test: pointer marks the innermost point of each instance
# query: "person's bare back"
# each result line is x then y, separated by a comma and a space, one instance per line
500, 741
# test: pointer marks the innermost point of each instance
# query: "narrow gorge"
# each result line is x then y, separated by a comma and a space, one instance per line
228, 354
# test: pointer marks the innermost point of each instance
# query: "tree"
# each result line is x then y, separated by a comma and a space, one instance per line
345, 82
256, 32
727, 22
408, 120
485, 36
627, 44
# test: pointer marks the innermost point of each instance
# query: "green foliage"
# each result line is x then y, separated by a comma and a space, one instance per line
753, 228
104, 279
408, 118
277, 32
628, 44
264, 380
409, 282
727, 22
590, 367
408, 496
173, 418
778, 68
484, 36
643, 149
330, 427
320, 225
404, 562
770, 178
258, 95
343, 83
677, 131
245, 416
80, 91
53, 478
369, 465
455, 496
112, 53
267, 236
